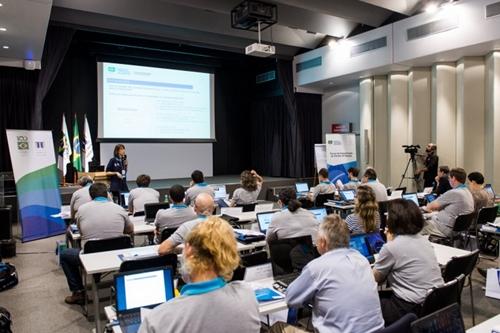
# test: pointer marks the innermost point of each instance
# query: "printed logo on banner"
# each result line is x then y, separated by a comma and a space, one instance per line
39, 144
22, 142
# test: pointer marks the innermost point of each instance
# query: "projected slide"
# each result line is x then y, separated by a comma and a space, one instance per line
139, 102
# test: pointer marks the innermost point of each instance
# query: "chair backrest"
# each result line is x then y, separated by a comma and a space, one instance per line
487, 214
402, 325
448, 319
383, 207
463, 222
247, 207
321, 199
107, 244
150, 209
291, 254
460, 265
167, 232
442, 296
152, 262
254, 259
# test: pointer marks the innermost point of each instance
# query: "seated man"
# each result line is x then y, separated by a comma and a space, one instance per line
204, 207
81, 195
481, 197
370, 179
354, 182
442, 181
197, 186
142, 195
450, 205
339, 285
324, 186
177, 214
98, 219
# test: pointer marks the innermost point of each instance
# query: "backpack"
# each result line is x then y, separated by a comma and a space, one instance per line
5, 321
8, 276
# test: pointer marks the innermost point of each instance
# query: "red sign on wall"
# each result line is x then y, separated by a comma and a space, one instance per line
342, 128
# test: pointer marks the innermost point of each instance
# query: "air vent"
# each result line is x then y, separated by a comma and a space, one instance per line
314, 62
368, 46
431, 28
265, 77
493, 9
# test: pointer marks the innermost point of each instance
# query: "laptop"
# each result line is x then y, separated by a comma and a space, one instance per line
360, 243
375, 242
430, 197
411, 197
150, 210
448, 319
289, 256
124, 199
219, 191
302, 189
488, 188
347, 196
141, 289
264, 219
428, 190
396, 194
319, 213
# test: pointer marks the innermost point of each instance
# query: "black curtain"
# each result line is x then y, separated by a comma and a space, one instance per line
56, 45
17, 100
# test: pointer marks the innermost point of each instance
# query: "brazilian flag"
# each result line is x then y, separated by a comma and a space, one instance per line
77, 159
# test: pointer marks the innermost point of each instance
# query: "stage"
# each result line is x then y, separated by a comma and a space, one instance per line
232, 182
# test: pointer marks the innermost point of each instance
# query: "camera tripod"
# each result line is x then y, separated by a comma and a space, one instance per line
413, 162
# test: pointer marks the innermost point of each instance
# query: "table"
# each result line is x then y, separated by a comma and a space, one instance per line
445, 253
485, 326
342, 210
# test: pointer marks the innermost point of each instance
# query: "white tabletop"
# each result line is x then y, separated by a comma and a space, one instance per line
486, 326
337, 206
445, 253
140, 227
244, 216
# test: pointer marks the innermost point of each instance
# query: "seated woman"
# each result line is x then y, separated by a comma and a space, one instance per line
365, 218
292, 221
251, 184
407, 261
207, 302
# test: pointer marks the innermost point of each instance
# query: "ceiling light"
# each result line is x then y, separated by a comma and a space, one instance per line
431, 8
1, 4
3, 29
6, 47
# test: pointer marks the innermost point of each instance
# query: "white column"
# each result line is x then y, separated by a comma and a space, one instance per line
492, 120
366, 122
398, 128
419, 106
380, 128
443, 116
470, 113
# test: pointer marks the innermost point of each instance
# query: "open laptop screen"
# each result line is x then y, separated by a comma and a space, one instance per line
264, 219
144, 288
151, 209
219, 191
489, 189
319, 213
411, 197
124, 199
375, 241
347, 195
359, 243
302, 187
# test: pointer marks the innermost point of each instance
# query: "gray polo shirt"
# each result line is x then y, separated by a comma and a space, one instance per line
411, 267
286, 224
322, 188
453, 203
174, 216
379, 189
101, 219
232, 308
142, 195
342, 290
244, 197
180, 235
196, 189
80, 197
352, 184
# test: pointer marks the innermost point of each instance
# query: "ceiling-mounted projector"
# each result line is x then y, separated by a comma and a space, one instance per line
260, 50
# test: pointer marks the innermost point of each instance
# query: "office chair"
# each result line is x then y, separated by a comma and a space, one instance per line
291, 254
247, 207
402, 325
167, 232
321, 199
460, 230
442, 296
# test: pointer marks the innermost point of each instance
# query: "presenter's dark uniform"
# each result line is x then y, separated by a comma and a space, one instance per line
431, 163
117, 185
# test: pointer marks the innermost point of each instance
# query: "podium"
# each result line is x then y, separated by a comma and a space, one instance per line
99, 176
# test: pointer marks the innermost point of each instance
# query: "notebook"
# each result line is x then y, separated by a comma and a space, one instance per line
319, 213
488, 188
264, 219
150, 210
446, 320
141, 289
347, 196
302, 189
411, 197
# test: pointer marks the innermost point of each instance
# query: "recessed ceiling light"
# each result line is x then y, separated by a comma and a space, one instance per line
3, 29
5, 47
1, 4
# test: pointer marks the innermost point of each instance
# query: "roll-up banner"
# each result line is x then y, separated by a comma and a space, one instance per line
35, 172
340, 155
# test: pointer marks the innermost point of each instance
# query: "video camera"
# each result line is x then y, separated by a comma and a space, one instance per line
411, 149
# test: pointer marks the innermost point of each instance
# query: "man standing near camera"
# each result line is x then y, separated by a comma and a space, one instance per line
430, 165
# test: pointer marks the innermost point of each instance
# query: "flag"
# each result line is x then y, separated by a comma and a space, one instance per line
64, 148
77, 160
88, 155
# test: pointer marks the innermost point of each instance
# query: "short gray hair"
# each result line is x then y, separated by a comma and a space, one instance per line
84, 180
335, 231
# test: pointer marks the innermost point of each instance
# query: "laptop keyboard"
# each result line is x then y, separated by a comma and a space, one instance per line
130, 319
288, 278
